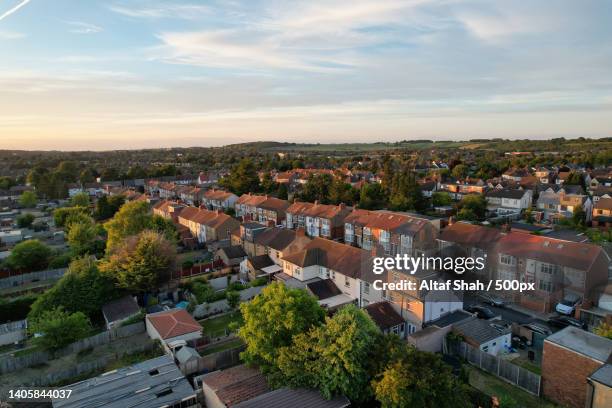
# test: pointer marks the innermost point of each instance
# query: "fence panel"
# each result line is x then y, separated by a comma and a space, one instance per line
24, 278
519, 376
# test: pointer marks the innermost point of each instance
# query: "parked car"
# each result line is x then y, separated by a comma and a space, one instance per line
481, 312
564, 321
538, 328
568, 305
492, 300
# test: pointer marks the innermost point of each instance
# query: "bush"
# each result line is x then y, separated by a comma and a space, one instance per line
25, 220
60, 261
261, 281
187, 264
30, 255
59, 328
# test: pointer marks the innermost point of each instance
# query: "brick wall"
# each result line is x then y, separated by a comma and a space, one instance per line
564, 375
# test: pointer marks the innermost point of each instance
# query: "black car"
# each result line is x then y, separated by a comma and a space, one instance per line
564, 321
481, 312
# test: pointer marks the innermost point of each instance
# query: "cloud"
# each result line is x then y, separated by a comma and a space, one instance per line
11, 35
13, 10
79, 27
162, 10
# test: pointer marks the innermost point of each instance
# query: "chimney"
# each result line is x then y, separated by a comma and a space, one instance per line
316, 202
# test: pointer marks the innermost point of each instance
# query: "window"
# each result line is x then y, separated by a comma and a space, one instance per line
547, 268
545, 286
347, 282
333, 274
366, 287
507, 260
485, 349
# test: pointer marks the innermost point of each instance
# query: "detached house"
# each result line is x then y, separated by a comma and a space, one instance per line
396, 233
319, 220
208, 226
257, 239
516, 174
561, 201
218, 199
508, 200
460, 188
261, 208
347, 271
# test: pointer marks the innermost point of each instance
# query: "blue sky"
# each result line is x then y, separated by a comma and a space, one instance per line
129, 74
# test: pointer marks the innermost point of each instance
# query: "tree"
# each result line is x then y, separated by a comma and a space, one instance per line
335, 357
371, 196
59, 328
84, 238
141, 263
441, 199
271, 320
317, 188
60, 215
341, 192
80, 200
6, 182
460, 171
25, 220
106, 207
28, 199
243, 178
30, 255
579, 216
131, 219
233, 298
419, 379
82, 289
604, 329
472, 207
282, 192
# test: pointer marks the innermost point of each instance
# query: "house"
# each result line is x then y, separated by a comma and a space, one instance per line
457, 189
232, 255
386, 318
556, 267
207, 179
348, 267
600, 192
261, 208
544, 175
319, 220
119, 310
294, 398
168, 209
569, 358
599, 390
275, 242
150, 384
396, 233
218, 200
516, 174
467, 240
602, 213
208, 226
508, 200
231, 386
258, 266
246, 235
172, 325
11, 237
428, 187
561, 201
420, 306
431, 338
485, 335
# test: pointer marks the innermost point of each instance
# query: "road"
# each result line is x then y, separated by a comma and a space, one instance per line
505, 312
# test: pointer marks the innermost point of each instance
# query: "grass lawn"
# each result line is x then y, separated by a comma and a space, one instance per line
525, 363
222, 347
216, 326
494, 386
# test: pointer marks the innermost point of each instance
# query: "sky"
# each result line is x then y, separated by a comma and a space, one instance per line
110, 74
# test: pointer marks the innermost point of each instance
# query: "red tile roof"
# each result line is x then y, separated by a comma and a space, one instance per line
236, 384
386, 220
471, 235
173, 323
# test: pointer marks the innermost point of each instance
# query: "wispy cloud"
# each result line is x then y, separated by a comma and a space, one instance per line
11, 35
79, 27
162, 10
13, 10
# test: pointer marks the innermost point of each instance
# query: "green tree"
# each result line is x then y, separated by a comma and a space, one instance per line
604, 330
141, 263
282, 192
441, 198
28, 199
317, 188
60, 215
460, 171
6, 182
243, 178
233, 298
271, 320
80, 200
82, 289
371, 196
84, 238
472, 207
25, 220
579, 216
131, 219
106, 207
335, 357
59, 328
30, 255
419, 379
341, 192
